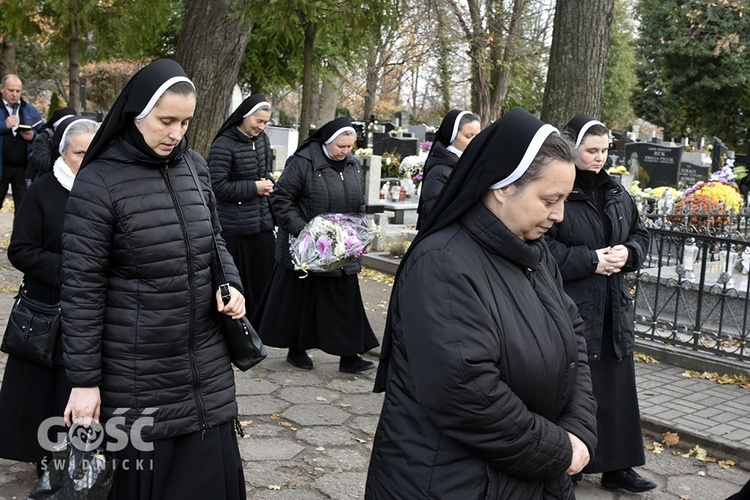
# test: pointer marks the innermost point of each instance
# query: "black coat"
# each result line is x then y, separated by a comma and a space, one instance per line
488, 372
36, 245
235, 163
312, 185
438, 168
574, 241
138, 295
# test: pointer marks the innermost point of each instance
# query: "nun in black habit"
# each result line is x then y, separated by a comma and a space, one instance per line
456, 131
143, 349
484, 366
323, 310
240, 162
601, 238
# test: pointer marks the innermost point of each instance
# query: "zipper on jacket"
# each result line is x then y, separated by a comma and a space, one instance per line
191, 280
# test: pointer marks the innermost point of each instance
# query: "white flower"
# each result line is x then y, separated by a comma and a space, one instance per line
412, 164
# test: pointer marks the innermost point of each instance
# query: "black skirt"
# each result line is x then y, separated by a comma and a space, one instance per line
618, 418
254, 258
30, 393
200, 465
314, 312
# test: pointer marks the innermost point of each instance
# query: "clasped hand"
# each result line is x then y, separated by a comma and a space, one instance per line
611, 259
265, 187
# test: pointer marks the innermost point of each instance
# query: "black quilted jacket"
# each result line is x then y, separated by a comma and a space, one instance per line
138, 298
236, 162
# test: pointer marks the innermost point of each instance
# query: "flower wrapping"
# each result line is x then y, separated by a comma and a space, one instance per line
329, 241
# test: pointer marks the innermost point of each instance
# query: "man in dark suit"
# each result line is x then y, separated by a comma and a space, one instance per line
17, 132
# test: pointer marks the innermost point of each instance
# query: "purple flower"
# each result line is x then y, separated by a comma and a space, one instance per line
323, 246
418, 177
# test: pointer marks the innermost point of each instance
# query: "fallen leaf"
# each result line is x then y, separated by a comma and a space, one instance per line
274, 487
361, 440
320, 448
320, 398
639, 357
343, 405
245, 423
16, 469
670, 438
285, 424
275, 416
702, 473
726, 464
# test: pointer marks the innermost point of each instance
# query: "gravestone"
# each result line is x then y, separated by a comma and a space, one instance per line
690, 173
371, 166
388, 126
377, 142
419, 131
361, 129
401, 146
718, 152
617, 156
653, 165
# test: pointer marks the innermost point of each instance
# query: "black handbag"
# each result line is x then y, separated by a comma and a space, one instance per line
245, 347
74, 473
32, 329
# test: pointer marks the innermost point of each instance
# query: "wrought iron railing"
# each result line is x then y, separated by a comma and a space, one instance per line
693, 288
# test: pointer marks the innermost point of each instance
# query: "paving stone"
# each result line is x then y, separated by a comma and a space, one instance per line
253, 450
309, 414
352, 386
365, 424
284, 494
262, 474
363, 404
262, 404
338, 460
293, 377
261, 428
253, 386
342, 485
703, 488
301, 395
326, 436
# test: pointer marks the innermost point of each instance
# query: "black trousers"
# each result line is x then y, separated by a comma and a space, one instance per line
15, 177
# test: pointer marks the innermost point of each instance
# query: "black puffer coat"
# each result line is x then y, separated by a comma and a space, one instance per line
438, 168
488, 372
236, 161
138, 298
311, 185
574, 241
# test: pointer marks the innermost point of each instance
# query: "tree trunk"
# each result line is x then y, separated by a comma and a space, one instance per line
443, 62
578, 59
329, 96
9, 49
214, 37
508, 58
308, 58
74, 60
372, 75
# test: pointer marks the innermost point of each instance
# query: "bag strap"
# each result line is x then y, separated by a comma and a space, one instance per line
224, 284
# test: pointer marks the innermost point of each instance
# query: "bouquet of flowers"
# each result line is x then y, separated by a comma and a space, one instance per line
329, 241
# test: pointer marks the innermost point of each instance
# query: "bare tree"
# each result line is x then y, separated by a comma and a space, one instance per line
209, 52
578, 59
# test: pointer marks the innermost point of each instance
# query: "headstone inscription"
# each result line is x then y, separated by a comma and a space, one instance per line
653, 165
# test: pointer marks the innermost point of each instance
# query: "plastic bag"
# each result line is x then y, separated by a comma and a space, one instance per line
329, 241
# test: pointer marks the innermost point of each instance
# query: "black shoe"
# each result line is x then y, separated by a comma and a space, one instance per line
627, 479
354, 364
576, 478
300, 359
